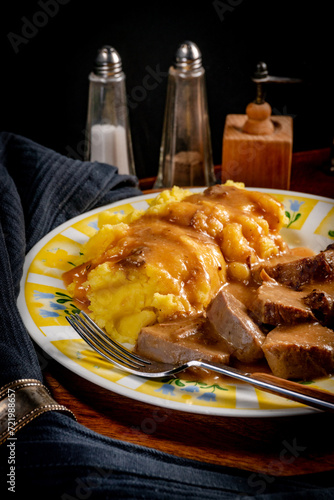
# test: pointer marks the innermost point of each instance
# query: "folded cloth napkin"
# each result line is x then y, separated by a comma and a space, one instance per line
55, 456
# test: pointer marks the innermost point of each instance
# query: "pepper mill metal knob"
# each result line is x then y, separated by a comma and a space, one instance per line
108, 136
185, 153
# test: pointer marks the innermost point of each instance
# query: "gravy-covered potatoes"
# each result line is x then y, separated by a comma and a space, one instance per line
169, 261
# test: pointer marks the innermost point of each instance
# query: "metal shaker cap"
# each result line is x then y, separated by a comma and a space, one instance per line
188, 56
108, 62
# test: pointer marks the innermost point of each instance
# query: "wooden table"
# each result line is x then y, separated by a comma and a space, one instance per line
276, 446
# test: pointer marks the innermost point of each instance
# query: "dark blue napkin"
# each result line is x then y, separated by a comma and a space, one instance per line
39, 190
55, 456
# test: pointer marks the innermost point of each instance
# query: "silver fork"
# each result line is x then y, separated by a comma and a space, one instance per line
130, 362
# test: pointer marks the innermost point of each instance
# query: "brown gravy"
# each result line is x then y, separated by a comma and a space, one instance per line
164, 237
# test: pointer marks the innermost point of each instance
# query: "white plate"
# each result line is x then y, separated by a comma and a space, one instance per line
44, 302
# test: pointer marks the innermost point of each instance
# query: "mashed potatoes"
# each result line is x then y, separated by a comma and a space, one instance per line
170, 260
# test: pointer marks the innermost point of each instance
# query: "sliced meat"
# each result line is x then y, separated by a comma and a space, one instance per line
233, 323
263, 271
297, 273
276, 304
303, 351
182, 340
322, 305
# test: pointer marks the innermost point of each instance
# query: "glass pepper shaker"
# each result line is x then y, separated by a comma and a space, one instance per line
185, 153
108, 137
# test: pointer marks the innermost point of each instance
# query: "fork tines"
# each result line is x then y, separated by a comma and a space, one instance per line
91, 333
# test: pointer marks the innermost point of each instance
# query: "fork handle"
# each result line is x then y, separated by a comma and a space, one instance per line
311, 396
316, 398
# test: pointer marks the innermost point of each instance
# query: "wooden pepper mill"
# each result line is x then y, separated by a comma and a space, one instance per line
257, 148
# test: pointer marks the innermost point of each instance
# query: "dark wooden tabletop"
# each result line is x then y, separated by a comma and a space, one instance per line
280, 446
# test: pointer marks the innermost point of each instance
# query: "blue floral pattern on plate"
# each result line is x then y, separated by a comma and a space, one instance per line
55, 304
294, 214
199, 390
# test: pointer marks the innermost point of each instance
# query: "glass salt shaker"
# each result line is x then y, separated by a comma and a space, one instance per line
185, 153
108, 137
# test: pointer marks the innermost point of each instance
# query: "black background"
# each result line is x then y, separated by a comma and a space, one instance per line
44, 74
